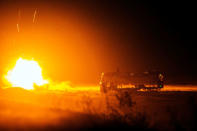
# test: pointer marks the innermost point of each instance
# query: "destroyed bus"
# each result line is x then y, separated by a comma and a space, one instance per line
115, 81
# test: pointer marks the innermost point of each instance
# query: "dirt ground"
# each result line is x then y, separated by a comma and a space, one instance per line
172, 108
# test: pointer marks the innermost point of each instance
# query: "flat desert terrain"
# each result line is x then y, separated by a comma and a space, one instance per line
85, 108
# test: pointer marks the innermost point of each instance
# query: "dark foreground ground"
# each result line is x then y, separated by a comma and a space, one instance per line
90, 110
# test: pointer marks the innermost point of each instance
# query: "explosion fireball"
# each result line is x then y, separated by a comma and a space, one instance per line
25, 74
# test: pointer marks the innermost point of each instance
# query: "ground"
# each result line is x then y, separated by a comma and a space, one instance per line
172, 108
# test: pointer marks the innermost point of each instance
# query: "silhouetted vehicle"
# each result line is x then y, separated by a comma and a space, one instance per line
127, 80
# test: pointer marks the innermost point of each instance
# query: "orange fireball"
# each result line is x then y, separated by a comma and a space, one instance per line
25, 74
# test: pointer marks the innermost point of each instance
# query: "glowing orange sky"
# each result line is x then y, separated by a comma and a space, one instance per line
77, 41
64, 44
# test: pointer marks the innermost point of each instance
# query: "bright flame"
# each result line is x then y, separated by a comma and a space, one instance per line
25, 74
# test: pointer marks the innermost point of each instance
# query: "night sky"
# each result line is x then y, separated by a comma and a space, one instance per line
80, 39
